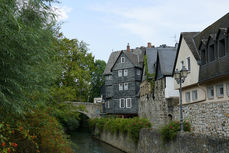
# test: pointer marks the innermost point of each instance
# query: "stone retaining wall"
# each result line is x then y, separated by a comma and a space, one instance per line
150, 142
210, 118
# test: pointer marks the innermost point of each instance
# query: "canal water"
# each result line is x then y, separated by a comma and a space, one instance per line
84, 143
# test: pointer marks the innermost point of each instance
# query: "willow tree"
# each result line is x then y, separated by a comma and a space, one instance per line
28, 54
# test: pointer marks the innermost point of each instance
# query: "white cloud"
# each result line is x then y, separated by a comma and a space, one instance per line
61, 12
163, 19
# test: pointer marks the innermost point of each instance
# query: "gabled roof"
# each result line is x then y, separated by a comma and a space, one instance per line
112, 59
189, 39
166, 54
223, 22
151, 54
166, 60
136, 56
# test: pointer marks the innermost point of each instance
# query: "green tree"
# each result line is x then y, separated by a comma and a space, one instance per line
97, 79
28, 54
74, 83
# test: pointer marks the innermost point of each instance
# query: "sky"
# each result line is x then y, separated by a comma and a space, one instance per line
108, 25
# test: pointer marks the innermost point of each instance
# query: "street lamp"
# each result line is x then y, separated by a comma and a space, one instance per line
180, 77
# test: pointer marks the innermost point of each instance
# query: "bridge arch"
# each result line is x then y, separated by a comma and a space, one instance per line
91, 110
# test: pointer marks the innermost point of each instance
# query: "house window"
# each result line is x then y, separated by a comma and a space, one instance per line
189, 64
181, 64
109, 77
119, 73
122, 103
128, 102
211, 50
108, 104
222, 47
227, 88
210, 92
122, 59
203, 57
125, 86
194, 95
120, 86
219, 90
125, 72
187, 96
138, 72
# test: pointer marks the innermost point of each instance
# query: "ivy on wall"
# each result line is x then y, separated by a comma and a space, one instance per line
149, 77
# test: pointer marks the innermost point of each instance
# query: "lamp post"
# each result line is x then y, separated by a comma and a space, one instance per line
180, 77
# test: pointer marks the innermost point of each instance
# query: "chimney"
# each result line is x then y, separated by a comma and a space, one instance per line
149, 45
128, 48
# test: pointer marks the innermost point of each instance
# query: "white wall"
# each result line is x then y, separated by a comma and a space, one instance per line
170, 90
184, 53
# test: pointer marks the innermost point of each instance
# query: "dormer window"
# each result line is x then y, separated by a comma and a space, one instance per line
203, 56
122, 59
211, 52
221, 47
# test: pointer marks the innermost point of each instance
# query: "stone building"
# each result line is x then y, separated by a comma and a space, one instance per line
123, 74
206, 89
157, 97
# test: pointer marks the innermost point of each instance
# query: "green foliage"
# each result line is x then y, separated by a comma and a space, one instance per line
39, 132
97, 78
66, 114
74, 84
28, 55
169, 132
130, 126
149, 77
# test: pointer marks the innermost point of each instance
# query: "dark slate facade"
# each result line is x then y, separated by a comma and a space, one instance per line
122, 81
213, 47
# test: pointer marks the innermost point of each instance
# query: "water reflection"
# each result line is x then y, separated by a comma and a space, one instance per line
84, 143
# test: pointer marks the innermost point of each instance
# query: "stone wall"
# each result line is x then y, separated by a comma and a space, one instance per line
155, 107
120, 141
151, 142
210, 118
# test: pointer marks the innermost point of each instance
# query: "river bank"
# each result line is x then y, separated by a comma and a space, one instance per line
83, 142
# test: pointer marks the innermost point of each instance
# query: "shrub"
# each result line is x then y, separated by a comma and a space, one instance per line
169, 132
132, 126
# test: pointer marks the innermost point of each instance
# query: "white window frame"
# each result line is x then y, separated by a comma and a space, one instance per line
125, 72
186, 93
188, 63
218, 87
122, 59
193, 94
138, 72
209, 91
125, 86
120, 102
127, 102
120, 86
119, 73
108, 104
227, 87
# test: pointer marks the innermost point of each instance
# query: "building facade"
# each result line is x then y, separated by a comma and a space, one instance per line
157, 93
123, 74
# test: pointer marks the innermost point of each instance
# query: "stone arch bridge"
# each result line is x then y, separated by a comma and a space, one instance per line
92, 110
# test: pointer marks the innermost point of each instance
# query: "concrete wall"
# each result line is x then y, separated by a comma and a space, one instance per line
150, 142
